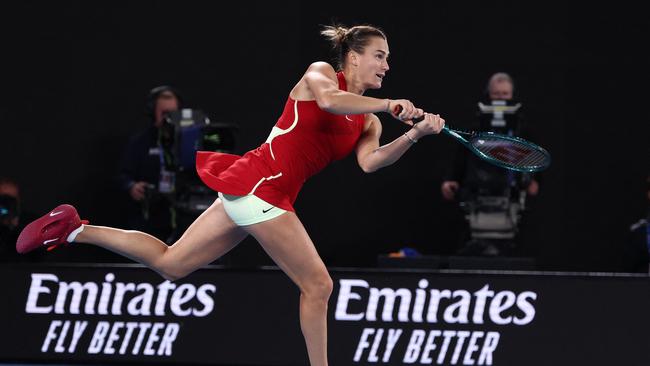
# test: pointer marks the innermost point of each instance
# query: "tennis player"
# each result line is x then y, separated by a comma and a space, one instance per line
325, 118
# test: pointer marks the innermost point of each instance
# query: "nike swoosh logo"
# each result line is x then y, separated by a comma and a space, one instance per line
49, 241
265, 211
348, 118
55, 213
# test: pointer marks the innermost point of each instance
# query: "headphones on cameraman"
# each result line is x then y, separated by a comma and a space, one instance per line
152, 98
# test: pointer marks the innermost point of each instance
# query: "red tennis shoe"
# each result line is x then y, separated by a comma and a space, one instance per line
51, 230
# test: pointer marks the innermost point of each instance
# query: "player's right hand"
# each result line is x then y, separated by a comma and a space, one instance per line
404, 110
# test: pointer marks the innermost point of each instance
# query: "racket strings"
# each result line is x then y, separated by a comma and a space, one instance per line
511, 152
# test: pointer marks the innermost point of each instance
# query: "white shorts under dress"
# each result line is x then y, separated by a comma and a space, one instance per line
249, 209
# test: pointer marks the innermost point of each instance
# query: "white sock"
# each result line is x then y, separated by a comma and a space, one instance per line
74, 234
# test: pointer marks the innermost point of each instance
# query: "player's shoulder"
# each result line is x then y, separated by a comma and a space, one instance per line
323, 67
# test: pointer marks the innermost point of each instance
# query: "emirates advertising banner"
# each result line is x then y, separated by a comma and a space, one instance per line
128, 314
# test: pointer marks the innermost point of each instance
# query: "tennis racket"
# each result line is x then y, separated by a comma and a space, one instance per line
508, 152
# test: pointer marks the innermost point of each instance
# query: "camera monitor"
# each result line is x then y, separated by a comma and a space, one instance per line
187, 131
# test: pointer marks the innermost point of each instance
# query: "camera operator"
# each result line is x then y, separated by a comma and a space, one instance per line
469, 177
143, 176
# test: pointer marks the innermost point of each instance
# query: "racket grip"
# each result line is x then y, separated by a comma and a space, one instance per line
397, 110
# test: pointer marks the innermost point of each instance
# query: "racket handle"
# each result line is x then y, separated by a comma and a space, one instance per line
397, 110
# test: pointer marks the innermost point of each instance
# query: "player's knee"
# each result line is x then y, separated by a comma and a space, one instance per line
172, 275
169, 273
319, 287
171, 270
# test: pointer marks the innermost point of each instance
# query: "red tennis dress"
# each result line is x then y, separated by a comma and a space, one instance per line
304, 140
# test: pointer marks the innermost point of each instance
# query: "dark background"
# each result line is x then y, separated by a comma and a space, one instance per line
75, 77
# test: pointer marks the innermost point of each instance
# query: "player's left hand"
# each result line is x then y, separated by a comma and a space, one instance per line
430, 125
